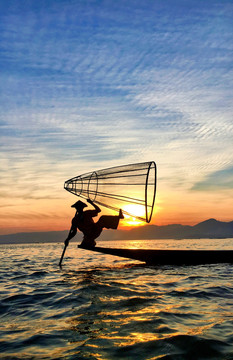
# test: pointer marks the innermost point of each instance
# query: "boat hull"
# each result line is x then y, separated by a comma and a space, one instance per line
170, 257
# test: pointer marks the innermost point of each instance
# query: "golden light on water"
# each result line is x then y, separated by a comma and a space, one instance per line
100, 307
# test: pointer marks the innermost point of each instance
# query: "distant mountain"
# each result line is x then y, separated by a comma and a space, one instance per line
207, 229
33, 237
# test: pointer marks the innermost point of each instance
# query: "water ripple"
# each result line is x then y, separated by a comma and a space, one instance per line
113, 310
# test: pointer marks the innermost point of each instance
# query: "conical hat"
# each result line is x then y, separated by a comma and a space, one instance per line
79, 205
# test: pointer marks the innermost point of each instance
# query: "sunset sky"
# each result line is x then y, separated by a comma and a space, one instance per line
87, 85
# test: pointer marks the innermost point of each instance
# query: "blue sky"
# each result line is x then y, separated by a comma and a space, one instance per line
91, 84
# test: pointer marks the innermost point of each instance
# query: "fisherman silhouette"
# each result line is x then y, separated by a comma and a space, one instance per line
83, 220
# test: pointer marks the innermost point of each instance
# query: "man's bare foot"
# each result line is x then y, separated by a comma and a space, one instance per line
121, 216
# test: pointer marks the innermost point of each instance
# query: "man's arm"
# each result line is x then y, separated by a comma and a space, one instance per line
95, 206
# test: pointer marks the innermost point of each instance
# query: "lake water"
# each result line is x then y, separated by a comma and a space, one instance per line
104, 307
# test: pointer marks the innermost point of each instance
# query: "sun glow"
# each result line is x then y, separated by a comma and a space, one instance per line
130, 220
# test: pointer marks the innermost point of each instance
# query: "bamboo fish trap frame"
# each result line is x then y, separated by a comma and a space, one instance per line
131, 188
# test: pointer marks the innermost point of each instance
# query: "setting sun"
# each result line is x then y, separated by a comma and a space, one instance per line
132, 214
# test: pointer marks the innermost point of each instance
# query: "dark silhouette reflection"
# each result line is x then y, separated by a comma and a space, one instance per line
83, 221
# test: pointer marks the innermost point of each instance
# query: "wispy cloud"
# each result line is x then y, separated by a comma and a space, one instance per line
217, 181
86, 85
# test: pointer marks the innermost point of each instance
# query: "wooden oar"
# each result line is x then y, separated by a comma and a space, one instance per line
63, 253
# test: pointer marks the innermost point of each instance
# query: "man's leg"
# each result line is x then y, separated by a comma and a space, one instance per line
109, 221
87, 243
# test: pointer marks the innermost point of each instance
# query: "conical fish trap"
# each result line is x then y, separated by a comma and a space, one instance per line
131, 188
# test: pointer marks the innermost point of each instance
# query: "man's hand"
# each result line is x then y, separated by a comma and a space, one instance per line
95, 206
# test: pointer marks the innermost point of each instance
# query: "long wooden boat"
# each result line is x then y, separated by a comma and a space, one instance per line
169, 257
